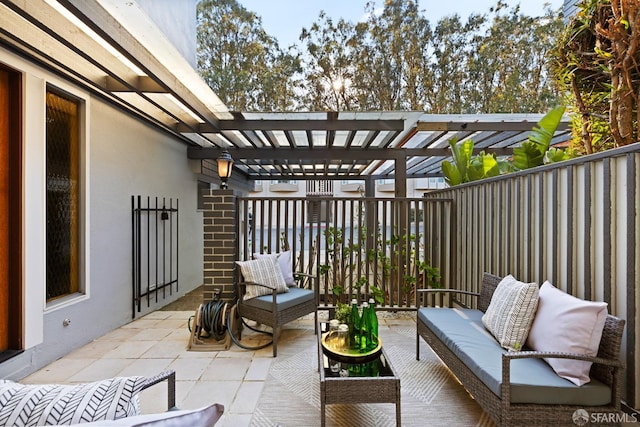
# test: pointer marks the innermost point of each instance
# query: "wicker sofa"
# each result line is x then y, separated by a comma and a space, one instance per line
519, 388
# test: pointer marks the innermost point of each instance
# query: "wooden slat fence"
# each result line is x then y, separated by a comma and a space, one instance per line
355, 245
576, 224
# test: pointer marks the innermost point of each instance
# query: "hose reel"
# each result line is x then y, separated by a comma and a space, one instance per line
214, 326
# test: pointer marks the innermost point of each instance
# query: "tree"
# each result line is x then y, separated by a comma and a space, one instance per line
241, 62
329, 70
596, 60
390, 56
448, 67
393, 60
508, 65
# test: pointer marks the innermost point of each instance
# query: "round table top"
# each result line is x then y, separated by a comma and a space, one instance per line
348, 355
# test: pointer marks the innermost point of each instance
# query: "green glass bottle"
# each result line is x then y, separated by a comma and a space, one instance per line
365, 328
373, 325
354, 325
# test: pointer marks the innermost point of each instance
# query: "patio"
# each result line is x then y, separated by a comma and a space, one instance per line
575, 224
236, 378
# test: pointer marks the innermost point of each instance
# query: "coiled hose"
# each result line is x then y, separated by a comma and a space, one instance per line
215, 317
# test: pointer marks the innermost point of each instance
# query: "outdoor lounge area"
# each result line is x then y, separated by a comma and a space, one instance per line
135, 195
254, 387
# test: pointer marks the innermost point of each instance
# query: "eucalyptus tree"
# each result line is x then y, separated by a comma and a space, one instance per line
242, 63
392, 60
448, 67
509, 64
329, 72
391, 56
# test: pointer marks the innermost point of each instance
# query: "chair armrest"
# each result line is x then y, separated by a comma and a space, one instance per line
458, 291
170, 377
444, 290
512, 355
299, 276
559, 355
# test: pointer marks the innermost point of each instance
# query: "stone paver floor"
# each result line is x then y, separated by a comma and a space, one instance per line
157, 342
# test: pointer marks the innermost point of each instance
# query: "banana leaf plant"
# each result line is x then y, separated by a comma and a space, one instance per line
467, 167
535, 151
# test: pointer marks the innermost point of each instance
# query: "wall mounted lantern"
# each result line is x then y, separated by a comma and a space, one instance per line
225, 166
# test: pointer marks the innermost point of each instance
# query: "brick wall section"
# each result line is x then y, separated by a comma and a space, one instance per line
220, 237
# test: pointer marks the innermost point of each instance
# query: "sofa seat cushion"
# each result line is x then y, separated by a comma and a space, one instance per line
292, 298
532, 380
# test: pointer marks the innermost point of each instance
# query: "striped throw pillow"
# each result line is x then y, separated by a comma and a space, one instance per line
511, 311
56, 404
266, 271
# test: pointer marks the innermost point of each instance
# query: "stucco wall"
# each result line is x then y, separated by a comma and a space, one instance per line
123, 157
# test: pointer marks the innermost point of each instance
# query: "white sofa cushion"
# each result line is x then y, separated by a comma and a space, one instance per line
203, 417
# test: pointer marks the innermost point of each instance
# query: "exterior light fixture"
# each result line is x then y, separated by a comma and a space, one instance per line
225, 166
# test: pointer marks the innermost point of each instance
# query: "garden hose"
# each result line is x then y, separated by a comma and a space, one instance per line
214, 317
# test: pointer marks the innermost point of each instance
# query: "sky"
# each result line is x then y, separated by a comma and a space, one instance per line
283, 19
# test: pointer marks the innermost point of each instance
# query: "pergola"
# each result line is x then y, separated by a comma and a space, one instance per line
370, 145
113, 50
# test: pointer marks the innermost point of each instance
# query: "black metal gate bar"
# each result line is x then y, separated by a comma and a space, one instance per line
156, 260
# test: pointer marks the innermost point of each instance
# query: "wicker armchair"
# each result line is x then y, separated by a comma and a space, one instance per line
170, 377
277, 309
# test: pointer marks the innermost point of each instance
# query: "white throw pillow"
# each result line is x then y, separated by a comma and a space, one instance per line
567, 324
203, 417
511, 312
264, 270
284, 260
56, 404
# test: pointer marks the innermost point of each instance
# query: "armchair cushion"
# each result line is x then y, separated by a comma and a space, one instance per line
265, 271
292, 298
55, 404
284, 261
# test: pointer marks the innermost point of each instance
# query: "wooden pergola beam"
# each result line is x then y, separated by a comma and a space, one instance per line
303, 125
331, 153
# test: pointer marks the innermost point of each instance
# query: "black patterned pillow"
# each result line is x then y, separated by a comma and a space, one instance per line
56, 404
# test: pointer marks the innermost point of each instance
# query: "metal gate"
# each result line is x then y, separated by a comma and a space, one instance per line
154, 250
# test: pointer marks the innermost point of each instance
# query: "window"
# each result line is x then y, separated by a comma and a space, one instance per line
62, 194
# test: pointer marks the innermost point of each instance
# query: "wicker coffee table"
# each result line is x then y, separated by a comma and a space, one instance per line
372, 382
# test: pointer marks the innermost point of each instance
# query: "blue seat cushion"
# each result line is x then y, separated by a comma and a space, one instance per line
532, 380
284, 300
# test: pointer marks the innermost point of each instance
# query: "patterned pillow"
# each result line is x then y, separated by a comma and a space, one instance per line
511, 312
266, 271
284, 260
56, 404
